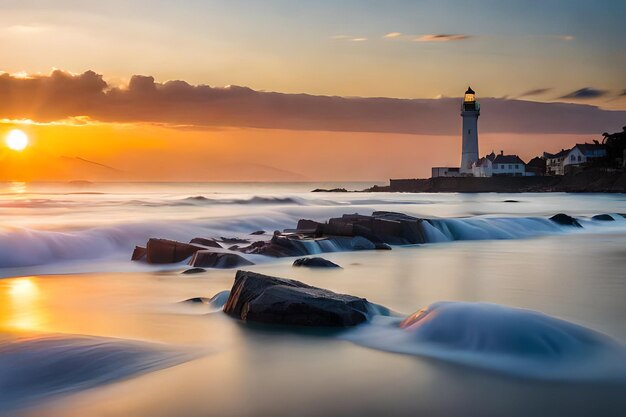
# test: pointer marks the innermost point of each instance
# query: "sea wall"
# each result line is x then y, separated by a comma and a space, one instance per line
587, 181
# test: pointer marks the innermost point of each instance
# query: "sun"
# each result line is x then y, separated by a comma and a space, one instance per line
17, 140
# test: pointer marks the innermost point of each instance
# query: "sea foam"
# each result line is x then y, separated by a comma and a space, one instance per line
512, 341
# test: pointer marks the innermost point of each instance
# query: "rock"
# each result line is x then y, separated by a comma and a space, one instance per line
604, 217
511, 201
233, 240
565, 220
258, 232
278, 247
210, 259
138, 254
265, 299
315, 262
194, 271
164, 251
205, 242
331, 190
305, 225
337, 227
197, 300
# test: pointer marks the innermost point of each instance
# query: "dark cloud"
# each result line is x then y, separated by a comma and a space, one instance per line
535, 92
585, 93
442, 37
62, 95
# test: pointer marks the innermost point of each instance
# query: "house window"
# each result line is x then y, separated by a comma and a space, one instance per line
573, 158
580, 158
469, 131
510, 166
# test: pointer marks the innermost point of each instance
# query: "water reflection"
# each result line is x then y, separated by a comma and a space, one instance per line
22, 307
17, 187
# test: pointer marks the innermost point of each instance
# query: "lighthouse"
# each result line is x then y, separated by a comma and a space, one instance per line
470, 110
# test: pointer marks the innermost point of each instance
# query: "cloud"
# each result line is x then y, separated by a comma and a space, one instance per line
585, 93
566, 37
392, 35
61, 96
349, 38
441, 38
535, 92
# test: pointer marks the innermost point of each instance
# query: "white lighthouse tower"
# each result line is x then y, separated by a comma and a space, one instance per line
470, 110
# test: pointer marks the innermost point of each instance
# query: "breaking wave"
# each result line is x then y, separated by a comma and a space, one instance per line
492, 337
35, 368
21, 247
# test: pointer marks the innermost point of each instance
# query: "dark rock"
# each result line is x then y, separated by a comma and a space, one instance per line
210, 259
331, 190
194, 271
163, 251
307, 226
138, 254
604, 217
511, 201
197, 300
258, 232
264, 299
211, 243
278, 247
234, 247
315, 262
233, 240
565, 220
382, 246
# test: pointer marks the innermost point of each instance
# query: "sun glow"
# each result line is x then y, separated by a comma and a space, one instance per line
17, 140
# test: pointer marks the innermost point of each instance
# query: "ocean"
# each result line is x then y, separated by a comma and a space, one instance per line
527, 314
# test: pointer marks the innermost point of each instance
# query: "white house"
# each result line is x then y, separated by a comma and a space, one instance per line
508, 165
554, 162
484, 166
583, 153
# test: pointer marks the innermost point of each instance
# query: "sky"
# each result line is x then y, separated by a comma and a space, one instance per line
299, 90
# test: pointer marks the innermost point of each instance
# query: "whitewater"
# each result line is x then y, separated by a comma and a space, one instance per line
94, 227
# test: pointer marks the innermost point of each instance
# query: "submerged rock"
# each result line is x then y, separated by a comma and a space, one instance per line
205, 242
603, 217
164, 251
330, 190
197, 300
265, 299
565, 220
210, 259
315, 262
194, 271
258, 232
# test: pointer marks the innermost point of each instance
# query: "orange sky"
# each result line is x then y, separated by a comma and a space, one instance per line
145, 152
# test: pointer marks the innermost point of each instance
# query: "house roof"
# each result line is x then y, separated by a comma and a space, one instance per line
483, 162
537, 162
508, 159
589, 147
560, 154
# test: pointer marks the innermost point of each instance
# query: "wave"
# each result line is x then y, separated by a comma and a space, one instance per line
492, 337
21, 247
38, 367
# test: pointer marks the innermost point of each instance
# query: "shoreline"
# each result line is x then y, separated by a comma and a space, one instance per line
593, 181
